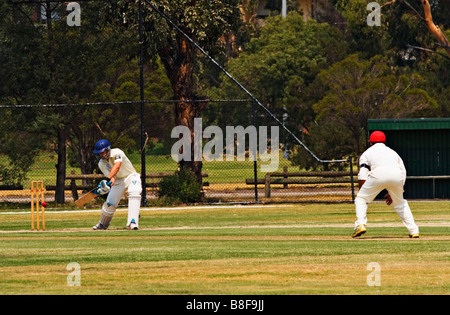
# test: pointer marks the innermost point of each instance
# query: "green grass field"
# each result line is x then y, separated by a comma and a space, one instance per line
230, 250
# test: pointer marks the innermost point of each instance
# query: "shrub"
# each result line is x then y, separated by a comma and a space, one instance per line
181, 186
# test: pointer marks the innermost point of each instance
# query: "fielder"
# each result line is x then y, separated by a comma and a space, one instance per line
382, 168
120, 176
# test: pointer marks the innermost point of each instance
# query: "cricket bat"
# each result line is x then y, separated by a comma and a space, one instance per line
86, 198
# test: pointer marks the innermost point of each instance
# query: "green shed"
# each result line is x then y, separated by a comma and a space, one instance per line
424, 145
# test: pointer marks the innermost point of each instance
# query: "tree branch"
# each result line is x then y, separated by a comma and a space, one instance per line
388, 3
429, 50
412, 8
434, 29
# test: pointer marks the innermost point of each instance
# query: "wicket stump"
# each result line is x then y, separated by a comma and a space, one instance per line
37, 190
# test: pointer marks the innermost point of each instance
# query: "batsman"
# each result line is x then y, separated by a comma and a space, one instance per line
120, 177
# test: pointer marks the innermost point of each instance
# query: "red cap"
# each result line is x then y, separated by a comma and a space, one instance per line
377, 136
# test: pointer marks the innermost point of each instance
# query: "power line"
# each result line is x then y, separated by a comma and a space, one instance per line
122, 103
50, 1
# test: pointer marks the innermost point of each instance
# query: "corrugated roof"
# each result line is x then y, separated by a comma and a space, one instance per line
409, 124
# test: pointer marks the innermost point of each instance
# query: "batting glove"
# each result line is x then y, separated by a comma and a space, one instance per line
104, 187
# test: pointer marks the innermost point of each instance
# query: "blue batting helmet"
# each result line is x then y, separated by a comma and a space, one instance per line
102, 145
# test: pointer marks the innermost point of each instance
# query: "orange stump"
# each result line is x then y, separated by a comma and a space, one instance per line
37, 194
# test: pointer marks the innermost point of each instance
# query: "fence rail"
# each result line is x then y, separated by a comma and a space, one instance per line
303, 179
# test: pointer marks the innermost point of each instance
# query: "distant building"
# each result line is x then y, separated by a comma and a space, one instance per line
424, 145
55, 10
321, 10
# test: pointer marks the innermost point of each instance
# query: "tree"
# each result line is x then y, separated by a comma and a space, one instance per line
432, 27
278, 66
360, 89
206, 22
55, 63
19, 80
436, 72
120, 122
18, 144
404, 24
412, 34
280, 63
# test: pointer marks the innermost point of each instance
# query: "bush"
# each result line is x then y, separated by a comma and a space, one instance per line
182, 186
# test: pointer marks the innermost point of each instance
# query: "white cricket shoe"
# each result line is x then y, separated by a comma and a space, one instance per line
99, 227
133, 225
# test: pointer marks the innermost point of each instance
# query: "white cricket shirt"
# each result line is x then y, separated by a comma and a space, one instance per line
379, 155
117, 155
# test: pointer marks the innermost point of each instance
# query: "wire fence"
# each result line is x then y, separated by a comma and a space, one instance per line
247, 163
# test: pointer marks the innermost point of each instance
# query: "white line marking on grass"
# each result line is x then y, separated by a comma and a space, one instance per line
158, 209
180, 228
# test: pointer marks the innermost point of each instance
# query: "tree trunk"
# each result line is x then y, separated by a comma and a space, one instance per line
185, 113
86, 164
179, 64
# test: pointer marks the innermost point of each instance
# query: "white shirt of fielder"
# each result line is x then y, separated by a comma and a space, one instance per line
379, 155
382, 168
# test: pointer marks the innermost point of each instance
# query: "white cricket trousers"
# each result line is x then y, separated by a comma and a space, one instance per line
133, 184
391, 180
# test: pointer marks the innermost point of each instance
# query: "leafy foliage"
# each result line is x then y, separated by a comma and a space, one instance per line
359, 89
182, 186
278, 66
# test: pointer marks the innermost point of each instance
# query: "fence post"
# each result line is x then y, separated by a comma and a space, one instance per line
267, 185
73, 187
350, 159
285, 170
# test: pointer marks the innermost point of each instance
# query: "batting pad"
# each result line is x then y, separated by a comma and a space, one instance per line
134, 200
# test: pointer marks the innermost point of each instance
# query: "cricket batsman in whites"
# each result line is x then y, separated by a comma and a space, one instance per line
120, 176
382, 168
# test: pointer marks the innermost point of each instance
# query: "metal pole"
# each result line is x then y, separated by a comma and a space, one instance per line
255, 162
350, 159
141, 83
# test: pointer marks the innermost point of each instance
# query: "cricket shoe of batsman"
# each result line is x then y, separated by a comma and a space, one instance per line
120, 177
